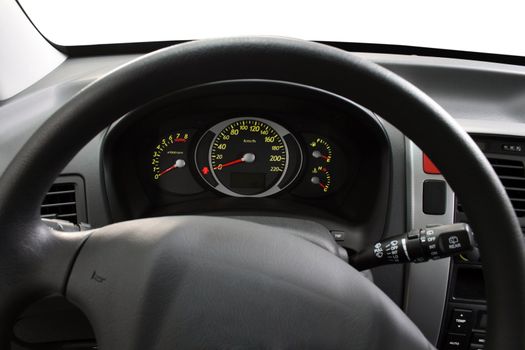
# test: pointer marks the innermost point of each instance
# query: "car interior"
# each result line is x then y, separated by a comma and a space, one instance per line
259, 192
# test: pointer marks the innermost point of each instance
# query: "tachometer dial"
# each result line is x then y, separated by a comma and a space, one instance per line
170, 163
249, 157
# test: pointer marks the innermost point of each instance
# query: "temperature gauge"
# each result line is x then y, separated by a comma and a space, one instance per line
321, 177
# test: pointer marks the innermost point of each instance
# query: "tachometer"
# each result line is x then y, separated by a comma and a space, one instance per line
170, 166
250, 157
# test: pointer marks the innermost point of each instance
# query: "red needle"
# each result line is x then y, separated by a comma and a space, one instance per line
220, 166
248, 158
322, 186
318, 154
180, 163
167, 170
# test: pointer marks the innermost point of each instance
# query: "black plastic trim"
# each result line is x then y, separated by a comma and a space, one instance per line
145, 47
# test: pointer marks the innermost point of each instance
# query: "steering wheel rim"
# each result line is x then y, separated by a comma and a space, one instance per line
35, 261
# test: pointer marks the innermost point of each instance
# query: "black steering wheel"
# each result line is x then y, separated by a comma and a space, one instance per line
211, 282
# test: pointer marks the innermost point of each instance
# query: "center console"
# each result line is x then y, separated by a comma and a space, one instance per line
465, 316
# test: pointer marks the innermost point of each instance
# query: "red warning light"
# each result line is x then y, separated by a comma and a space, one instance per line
428, 166
205, 170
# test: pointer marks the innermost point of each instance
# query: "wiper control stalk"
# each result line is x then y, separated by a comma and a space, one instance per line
419, 245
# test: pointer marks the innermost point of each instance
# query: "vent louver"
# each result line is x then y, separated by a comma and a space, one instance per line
61, 202
512, 175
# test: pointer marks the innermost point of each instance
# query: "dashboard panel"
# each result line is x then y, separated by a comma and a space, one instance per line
464, 88
250, 146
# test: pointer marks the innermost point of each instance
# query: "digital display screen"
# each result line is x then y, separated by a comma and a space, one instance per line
248, 180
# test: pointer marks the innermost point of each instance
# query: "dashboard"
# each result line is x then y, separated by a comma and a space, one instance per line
259, 148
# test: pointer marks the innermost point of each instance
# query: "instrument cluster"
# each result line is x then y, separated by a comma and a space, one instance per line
248, 147
247, 156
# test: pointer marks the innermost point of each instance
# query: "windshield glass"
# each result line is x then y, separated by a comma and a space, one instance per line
478, 26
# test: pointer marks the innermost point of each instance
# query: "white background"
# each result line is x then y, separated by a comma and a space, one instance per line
483, 26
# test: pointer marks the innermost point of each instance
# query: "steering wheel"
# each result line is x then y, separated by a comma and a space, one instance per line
212, 282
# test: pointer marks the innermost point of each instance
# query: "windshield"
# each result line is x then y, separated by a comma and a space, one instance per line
478, 26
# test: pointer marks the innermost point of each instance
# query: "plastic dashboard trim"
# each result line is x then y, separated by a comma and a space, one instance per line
427, 283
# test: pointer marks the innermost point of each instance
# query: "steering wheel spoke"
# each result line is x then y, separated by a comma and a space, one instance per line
39, 267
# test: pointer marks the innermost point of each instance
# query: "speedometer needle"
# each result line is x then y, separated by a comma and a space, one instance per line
179, 163
247, 158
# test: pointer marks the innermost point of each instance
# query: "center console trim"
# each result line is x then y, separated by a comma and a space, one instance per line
426, 286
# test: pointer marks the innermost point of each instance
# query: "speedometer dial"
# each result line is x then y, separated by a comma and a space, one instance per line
248, 156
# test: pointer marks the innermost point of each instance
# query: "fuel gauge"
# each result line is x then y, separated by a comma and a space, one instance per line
321, 150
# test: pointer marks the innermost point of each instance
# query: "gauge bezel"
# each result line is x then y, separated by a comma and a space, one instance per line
281, 131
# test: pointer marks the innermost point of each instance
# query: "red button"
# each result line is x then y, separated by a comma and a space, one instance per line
428, 166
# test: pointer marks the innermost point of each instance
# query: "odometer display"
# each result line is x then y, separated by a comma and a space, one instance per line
248, 157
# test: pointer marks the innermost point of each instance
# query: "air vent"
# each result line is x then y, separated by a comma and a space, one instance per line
512, 175
61, 202
66, 200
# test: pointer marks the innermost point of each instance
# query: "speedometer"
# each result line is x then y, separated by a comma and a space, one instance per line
249, 157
